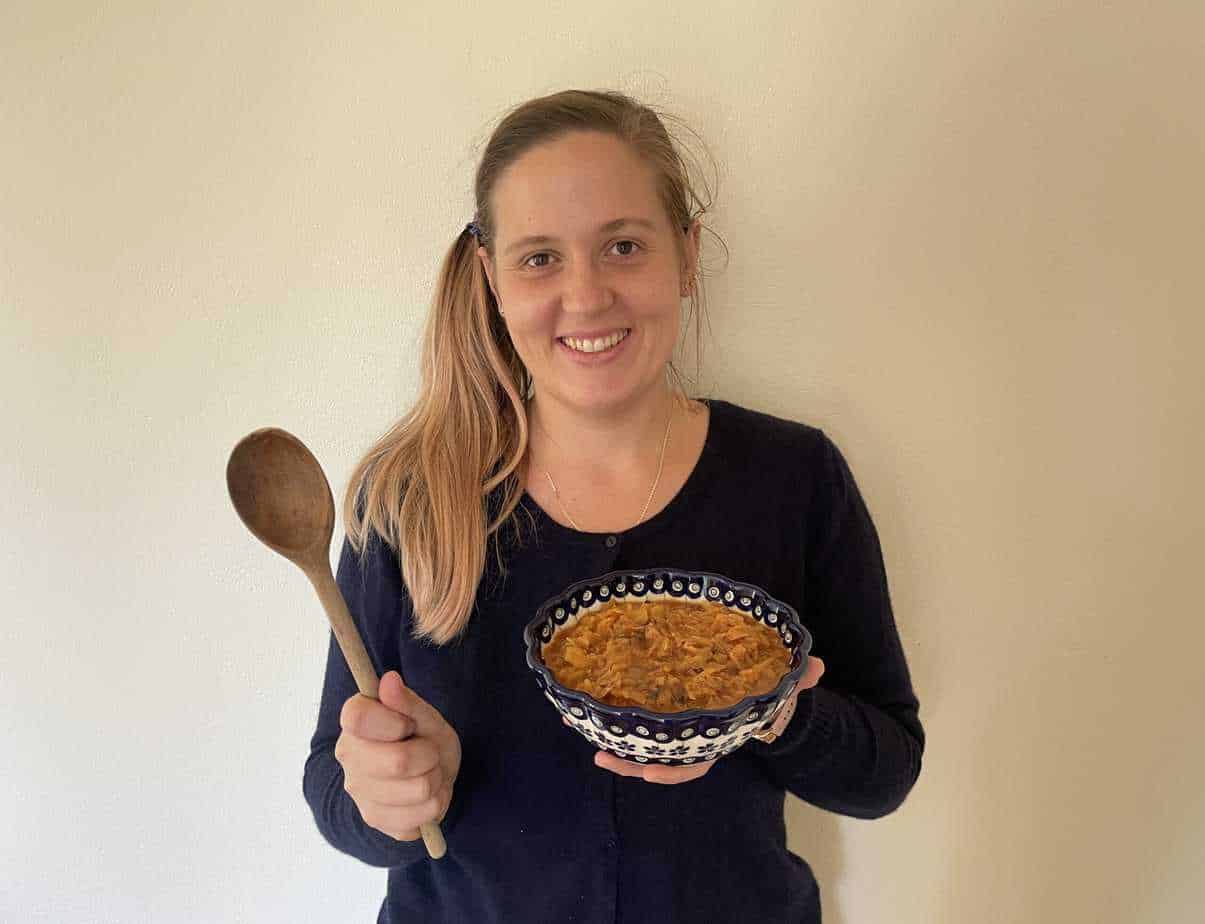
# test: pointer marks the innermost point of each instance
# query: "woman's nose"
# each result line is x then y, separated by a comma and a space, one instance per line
587, 288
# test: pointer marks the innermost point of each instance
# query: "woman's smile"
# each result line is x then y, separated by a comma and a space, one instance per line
592, 349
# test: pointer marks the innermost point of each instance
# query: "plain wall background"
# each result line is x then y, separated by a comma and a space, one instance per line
964, 239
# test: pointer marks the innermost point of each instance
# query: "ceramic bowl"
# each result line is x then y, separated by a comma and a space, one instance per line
675, 738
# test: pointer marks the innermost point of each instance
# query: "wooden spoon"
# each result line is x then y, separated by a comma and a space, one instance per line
283, 497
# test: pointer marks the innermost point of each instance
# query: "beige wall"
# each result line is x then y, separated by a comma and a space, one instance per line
962, 240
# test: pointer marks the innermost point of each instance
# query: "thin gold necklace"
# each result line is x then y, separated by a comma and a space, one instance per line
652, 490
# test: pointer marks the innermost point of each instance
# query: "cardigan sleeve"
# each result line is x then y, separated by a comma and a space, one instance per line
855, 742
335, 813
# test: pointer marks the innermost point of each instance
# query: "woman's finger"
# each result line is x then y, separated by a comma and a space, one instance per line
811, 675
399, 793
615, 765
402, 822
391, 760
650, 773
365, 717
671, 775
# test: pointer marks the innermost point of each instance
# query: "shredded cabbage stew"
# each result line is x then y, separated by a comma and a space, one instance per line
667, 655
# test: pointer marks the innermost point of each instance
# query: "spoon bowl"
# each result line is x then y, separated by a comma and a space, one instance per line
281, 494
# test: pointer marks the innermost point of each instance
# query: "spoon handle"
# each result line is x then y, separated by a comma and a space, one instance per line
357, 659
345, 631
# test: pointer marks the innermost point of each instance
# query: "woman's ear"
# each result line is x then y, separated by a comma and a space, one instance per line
692, 256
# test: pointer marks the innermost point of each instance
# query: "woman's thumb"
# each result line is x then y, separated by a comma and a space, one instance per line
393, 692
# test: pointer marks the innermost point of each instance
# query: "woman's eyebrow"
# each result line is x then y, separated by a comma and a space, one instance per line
602, 229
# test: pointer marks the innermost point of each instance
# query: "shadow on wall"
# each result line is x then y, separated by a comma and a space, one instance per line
815, 835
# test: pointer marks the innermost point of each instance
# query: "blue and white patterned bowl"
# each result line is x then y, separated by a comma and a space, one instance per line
668, 738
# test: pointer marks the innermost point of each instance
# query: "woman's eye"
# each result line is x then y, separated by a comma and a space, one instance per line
543, 253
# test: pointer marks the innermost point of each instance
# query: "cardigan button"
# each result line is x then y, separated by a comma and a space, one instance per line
611, 542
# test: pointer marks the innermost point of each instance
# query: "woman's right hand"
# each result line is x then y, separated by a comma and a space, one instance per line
400, 758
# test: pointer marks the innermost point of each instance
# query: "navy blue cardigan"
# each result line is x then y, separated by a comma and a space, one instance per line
536, 832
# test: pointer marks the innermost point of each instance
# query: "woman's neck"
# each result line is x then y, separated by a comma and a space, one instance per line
616, 444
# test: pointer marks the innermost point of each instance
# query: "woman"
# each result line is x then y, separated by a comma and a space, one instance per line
553, 441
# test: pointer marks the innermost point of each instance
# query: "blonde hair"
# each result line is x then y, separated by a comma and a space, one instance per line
446, 476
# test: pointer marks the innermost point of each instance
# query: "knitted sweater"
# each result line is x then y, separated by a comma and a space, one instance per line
536, 832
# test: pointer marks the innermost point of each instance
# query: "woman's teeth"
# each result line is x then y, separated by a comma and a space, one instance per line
594, 346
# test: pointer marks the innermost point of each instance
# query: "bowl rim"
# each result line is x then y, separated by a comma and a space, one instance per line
531, 643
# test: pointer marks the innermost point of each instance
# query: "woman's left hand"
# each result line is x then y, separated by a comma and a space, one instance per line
659, 773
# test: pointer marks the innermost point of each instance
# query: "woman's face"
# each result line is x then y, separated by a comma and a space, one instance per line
593, 311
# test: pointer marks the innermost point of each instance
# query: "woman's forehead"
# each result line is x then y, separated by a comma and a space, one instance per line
556, 191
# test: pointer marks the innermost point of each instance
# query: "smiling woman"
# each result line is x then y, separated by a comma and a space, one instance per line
596, 322
553, 407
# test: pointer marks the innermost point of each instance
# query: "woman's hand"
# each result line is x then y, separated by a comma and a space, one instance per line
400, 759
658, 773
